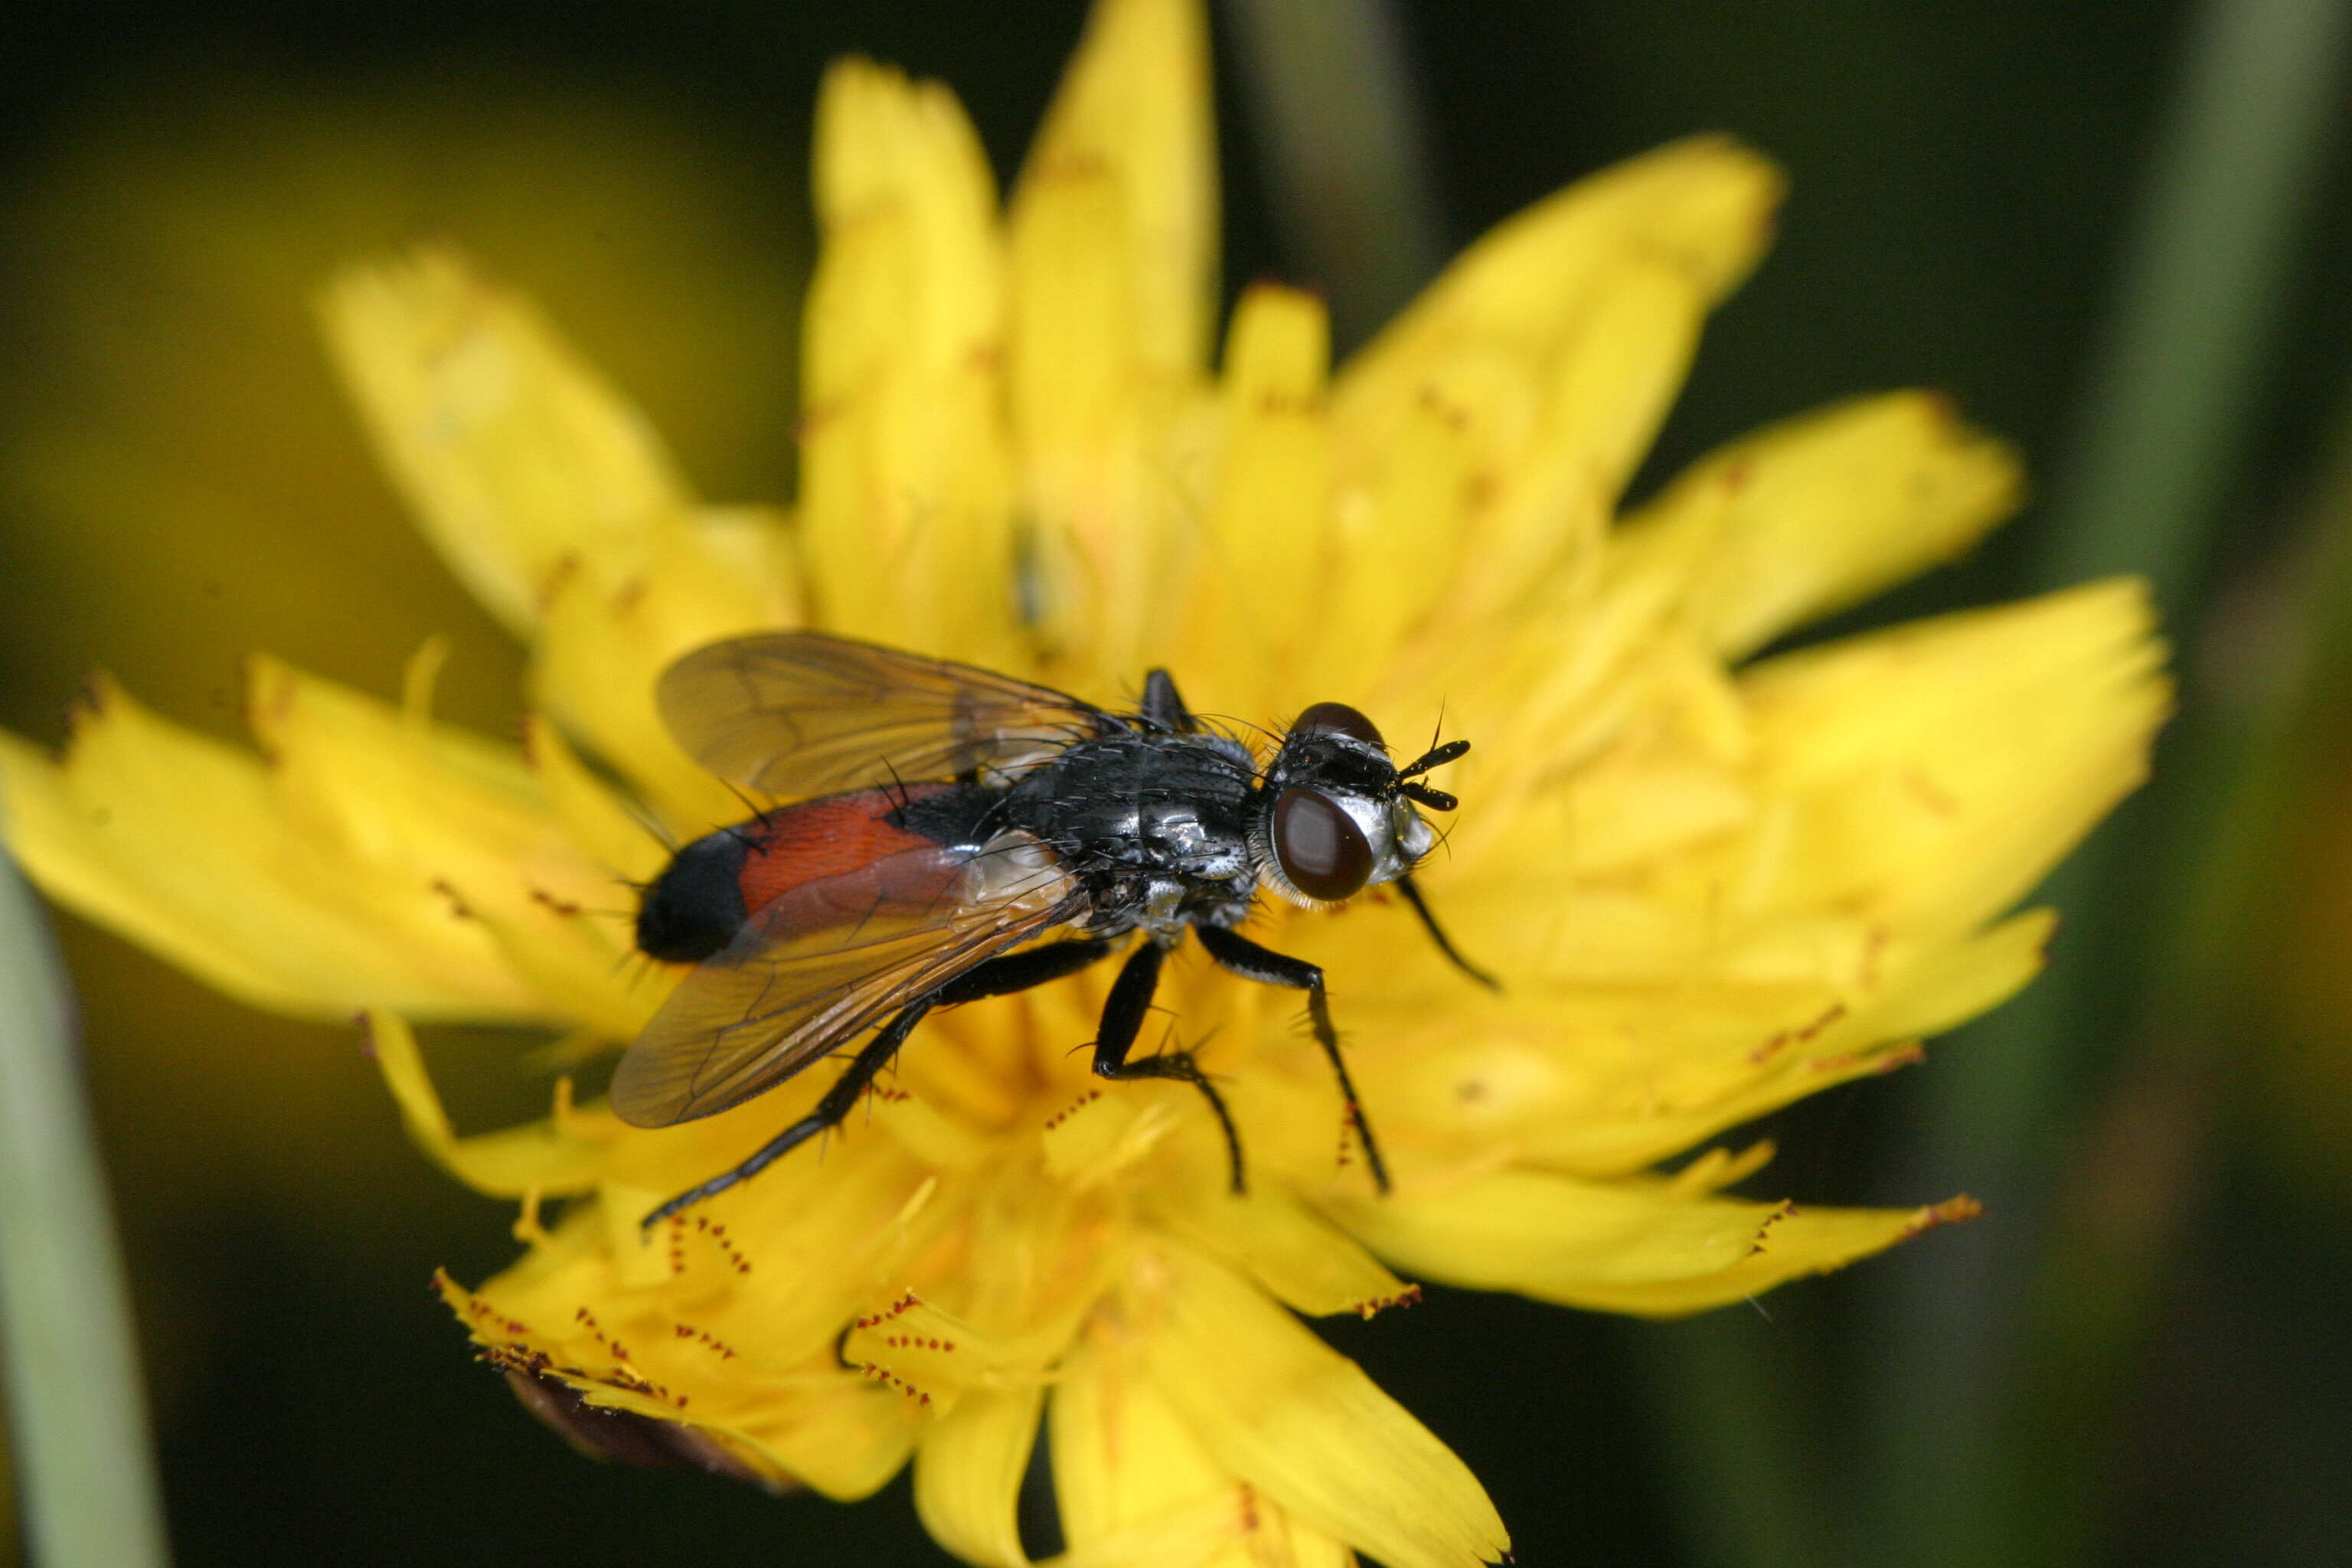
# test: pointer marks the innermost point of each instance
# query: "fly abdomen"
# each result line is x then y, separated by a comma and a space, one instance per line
695, 906
718, 883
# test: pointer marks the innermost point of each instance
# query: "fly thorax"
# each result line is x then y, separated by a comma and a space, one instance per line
1173, 835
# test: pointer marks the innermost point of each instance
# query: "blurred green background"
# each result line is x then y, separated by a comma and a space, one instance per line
2106, 235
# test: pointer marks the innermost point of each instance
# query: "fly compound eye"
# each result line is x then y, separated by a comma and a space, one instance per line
1338, 718
1322, 851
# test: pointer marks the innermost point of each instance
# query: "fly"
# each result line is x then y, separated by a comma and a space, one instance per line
943, 818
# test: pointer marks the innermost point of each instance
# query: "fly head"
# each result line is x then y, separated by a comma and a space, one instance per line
1336, 815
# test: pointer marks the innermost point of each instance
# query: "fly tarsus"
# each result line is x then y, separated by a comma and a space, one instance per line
1122, 1019
1239, 955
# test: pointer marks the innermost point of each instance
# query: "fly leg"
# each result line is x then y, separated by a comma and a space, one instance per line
1411, 892
996, 977
1246, 958
830, 1112
1020, 971
1122, 1020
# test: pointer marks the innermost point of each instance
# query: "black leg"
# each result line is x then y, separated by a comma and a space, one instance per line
1020, 971
830, 1112
1162, 706
996, 977
1437, 934
1122, 1020
1267, 967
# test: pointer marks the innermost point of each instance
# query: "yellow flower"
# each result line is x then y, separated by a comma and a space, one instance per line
1711, 885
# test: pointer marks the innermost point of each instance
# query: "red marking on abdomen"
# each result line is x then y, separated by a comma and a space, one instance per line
797, 845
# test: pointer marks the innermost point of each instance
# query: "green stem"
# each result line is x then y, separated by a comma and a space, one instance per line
2168, 409
2201, 296
1343, 152
1739, 1458
2262, 756
85, 1477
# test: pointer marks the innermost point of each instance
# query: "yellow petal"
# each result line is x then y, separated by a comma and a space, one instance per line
585, 963
1648, 797
1097, 1138
1113, 246
815, 1424
1956, 982
1811, 515
1307, 1263
1699, 207
557, 1157
1898, 808
1655, 1248
967, 1470
1136, 1490
1401, 524
153, 832
862, 1204
682, 1354
1123, 1459
1233, 1529
597, 820
546, 494
1303, 1424
607, 639
1268, 529
1543, 1235
1868, 1035
1801, 1242
1196, 1536
931, 1356
905, 498
845, 1441
451, 811
1133, 113
1599, 1080
400, 790
512, 452
1009, 1325
1554, 346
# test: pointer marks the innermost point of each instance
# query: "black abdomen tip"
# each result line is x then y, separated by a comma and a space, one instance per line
695, 908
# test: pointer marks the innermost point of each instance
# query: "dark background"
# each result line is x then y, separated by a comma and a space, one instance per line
1963, 181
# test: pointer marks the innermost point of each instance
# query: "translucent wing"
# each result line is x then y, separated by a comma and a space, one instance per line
797, 714
819, 964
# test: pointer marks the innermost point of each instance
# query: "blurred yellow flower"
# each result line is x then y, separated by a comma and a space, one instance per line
1712, 886
182, 482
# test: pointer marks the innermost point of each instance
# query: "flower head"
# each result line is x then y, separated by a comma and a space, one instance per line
1711, 884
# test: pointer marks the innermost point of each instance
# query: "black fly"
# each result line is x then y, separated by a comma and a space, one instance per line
946, 816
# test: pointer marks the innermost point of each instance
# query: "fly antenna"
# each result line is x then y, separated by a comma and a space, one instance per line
1435, 757
1435, 799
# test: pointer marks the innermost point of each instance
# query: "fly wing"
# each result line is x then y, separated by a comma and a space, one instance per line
818, 965
797, 714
